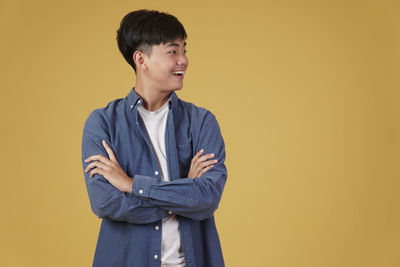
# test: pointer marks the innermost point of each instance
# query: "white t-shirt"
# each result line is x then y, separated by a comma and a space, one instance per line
171, 247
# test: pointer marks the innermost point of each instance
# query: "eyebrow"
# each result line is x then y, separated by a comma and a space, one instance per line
176, 44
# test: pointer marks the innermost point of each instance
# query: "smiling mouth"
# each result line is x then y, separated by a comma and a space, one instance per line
178, 73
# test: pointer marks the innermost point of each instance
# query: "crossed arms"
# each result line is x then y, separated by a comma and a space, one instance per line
110, 169
115, 195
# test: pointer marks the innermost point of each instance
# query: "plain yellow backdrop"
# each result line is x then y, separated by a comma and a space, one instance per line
306, 94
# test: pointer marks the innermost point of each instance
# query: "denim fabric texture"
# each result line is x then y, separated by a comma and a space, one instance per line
131, 227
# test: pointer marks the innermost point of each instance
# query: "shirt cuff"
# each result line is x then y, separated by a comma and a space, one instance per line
141, 185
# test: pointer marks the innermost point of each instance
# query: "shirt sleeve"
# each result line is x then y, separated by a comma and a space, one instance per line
107, 201
196, 198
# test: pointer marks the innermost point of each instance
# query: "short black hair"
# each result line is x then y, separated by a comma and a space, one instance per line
141, 29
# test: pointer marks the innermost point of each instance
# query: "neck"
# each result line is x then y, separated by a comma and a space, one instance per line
152, 99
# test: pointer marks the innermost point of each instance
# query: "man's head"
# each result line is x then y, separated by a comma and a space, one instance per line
142, 29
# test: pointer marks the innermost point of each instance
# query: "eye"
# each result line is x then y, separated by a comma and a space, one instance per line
172, 52
184, 51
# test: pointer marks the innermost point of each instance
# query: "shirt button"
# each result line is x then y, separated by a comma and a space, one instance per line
131, 106
139, 101
169, 212
157, 227
156, 172
155, 256
140, 191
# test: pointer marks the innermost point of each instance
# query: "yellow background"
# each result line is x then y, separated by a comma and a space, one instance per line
306, 94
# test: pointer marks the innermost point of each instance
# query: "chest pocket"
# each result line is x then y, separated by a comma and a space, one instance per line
185, 155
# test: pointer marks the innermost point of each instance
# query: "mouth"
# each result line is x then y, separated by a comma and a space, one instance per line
179, 74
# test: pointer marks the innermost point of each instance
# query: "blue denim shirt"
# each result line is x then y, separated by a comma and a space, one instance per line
130, 232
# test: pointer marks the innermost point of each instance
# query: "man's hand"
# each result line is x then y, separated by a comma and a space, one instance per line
201, 164
110, 170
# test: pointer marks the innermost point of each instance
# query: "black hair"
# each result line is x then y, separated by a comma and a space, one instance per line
141, 29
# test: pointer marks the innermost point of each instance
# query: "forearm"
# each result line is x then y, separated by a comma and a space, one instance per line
193, 198
108, 202
196, 198
105, 199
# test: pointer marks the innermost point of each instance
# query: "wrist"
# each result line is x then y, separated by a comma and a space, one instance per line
128, 186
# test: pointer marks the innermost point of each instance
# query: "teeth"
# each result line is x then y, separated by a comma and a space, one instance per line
178, 72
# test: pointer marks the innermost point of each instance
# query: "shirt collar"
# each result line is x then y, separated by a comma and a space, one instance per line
133, 98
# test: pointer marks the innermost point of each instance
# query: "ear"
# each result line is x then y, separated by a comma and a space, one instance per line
138, 58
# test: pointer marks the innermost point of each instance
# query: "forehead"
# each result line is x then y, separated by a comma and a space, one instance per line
176, 43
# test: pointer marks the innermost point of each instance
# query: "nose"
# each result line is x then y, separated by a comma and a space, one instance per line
183, 60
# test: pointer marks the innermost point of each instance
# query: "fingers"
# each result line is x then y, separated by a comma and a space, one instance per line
205, 157
198, 173
201, 164
102, 164
97, 165
110, 153
203, 167
208, 163
204, 160
97, 171
102, 158
204, 170
197, 155
99, 158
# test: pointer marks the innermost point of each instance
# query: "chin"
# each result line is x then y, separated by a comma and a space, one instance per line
177, 88
173, 89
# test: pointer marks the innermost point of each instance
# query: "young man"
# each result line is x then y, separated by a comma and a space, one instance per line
153, 163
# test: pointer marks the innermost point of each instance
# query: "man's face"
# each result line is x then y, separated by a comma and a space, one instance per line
166, 65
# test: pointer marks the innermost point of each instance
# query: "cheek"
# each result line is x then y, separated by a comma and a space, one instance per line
160, 69
165, 66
